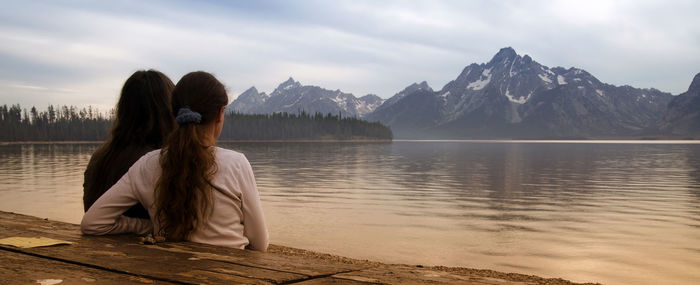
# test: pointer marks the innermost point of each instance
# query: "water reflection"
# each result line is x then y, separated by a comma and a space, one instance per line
693, 161
616, 213
600, 208
44, 180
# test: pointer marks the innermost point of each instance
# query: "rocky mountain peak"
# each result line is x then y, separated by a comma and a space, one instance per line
290, 83
251, 90
370, 97
424, 85
410, 89
416, 86
559, 69
695, 85
506, 53
247, 101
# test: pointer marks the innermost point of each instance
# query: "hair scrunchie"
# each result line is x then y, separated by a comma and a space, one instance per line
186, 116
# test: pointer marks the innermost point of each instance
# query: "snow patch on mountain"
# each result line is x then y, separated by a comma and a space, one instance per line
295, 102
367, 104
512, 73
340, 100
520, 100
561, 80
481, 83
545, 78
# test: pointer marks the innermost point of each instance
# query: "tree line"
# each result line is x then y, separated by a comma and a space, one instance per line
70, 123
280, 126
56, 123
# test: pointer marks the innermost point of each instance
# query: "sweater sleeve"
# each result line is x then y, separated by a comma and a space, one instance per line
254, 227
105, 215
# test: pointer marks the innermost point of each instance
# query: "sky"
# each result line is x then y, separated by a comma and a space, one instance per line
81, 52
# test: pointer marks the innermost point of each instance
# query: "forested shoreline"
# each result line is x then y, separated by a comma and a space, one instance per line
281, 126
56, 123
70, 123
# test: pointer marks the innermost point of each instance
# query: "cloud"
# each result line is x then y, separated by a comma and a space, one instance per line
356, 46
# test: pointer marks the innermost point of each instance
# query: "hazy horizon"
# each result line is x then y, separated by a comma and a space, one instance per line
76, 53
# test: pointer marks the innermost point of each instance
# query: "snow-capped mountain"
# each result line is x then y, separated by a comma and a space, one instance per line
292, 97
514, 96
683, 114
511, 96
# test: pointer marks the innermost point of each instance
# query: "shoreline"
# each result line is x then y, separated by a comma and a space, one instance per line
219, 141
50, 142
304, 140
483, 273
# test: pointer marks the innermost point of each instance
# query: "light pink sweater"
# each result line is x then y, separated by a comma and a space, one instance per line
236, 219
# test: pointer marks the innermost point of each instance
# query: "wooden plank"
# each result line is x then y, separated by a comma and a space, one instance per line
182, 261
133, 260
18, 268
123, 254
310, 267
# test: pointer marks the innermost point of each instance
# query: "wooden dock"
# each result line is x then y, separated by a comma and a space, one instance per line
121, 259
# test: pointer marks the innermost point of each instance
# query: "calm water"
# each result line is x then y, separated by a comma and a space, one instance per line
619, 213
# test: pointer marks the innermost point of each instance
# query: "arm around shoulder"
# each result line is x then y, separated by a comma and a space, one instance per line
105, 215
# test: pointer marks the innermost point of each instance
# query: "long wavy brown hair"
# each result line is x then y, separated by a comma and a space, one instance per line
183, 191
143, 121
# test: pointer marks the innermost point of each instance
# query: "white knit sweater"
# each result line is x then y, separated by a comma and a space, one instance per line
236, 219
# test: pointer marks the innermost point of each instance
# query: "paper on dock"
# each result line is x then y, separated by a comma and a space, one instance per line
30, 242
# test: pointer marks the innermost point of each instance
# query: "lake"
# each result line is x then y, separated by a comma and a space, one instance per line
618, 212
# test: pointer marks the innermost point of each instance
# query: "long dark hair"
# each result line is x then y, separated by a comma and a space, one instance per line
143, 112
183, 191
143, 121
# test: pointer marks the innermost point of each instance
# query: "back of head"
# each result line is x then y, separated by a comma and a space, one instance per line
201, 92
183, 192
143, 121
143, 112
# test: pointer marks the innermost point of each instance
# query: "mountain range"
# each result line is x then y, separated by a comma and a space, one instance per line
511, 96
292, 97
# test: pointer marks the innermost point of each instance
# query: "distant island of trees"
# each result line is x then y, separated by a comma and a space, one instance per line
69, 123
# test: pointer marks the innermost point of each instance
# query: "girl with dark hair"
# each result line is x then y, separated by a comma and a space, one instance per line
192, 189
143, 120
